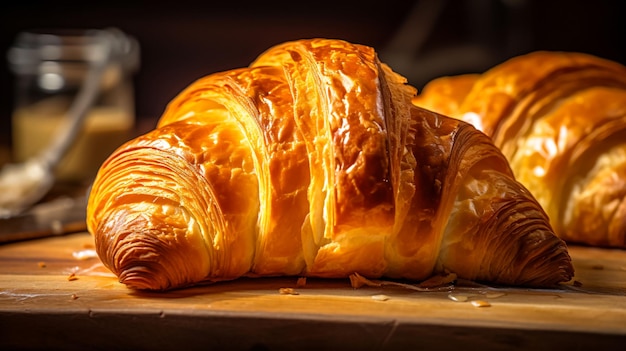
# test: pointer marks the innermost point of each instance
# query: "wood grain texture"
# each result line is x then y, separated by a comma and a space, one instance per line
51, 298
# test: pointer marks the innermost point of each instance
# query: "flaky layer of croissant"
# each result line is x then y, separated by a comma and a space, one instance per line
560, 119
313, 161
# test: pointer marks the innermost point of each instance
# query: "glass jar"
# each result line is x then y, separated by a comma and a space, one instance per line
51, 68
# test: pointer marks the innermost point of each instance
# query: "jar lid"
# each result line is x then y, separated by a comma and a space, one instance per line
89, 46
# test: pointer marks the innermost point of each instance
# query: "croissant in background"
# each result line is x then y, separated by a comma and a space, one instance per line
560, 119
314, 162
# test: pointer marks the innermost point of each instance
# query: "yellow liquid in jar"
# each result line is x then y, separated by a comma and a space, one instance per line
104, 129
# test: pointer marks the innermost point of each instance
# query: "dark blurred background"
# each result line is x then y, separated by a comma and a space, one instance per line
183, 40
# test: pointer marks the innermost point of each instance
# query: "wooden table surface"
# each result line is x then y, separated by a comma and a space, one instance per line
55, 293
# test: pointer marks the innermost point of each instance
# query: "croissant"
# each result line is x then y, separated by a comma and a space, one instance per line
314, 162
560, 120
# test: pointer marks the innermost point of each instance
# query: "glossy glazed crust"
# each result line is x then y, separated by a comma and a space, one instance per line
560, 119
314, 162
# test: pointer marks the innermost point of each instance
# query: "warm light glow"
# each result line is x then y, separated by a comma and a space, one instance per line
473, 119
539, 171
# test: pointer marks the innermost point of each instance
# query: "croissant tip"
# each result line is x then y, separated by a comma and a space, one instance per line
141, 277
561, 269
152, 268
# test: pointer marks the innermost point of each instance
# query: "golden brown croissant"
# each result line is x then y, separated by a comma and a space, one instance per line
560, 119
314, 162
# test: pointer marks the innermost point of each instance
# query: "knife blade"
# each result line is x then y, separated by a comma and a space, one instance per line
56, 217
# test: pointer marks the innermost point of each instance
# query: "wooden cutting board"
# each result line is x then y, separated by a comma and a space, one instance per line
54, 293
